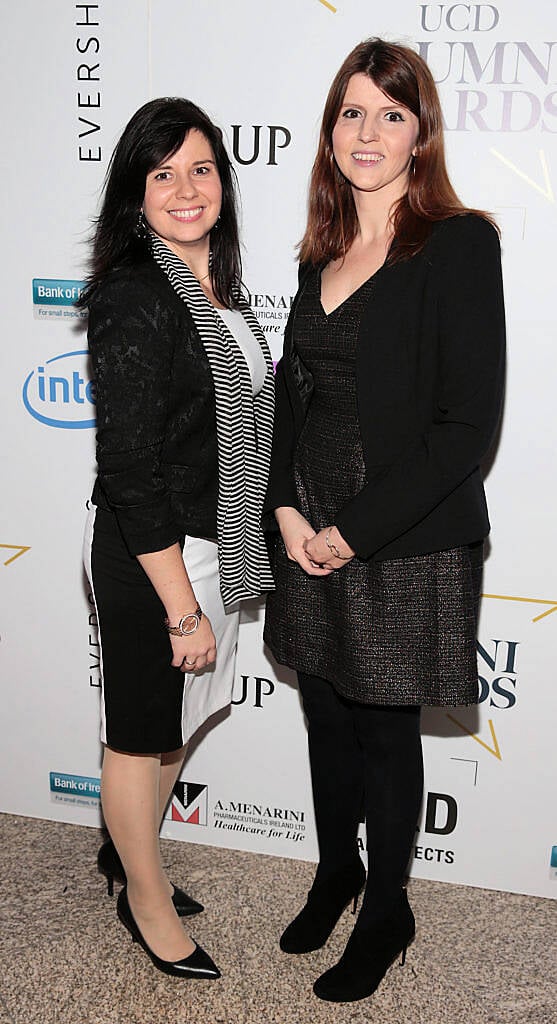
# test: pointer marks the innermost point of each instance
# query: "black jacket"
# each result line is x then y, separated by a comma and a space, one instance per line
429, 374
156, 420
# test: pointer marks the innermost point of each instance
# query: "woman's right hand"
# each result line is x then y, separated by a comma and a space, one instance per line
295, 531
194, 652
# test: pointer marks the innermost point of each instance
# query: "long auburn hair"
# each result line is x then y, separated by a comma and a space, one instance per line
332, 223
154, 133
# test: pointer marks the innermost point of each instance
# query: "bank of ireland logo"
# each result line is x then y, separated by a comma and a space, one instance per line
54, 299
189, 804
58, 392
75, 789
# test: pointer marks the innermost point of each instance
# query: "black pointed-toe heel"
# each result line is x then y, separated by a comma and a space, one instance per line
197, 965
368, 955
110, 865
325, 903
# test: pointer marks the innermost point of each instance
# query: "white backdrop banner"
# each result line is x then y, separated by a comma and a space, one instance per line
76, 72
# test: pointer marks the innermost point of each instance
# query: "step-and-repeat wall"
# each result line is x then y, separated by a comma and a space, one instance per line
73, 73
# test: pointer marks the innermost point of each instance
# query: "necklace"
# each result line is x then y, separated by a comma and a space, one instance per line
201, 279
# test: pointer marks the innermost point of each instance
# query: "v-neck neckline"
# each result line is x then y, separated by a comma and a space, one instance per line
348, 297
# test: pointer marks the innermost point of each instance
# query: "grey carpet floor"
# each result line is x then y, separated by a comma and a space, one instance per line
480, 957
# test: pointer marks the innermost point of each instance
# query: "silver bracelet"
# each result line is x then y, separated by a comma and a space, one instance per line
333, 548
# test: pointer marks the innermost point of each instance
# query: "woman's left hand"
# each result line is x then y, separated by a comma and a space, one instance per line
319, 551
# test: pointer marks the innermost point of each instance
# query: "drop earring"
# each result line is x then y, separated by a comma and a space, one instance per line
140, 229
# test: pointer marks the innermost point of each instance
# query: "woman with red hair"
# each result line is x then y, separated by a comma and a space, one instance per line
389, 394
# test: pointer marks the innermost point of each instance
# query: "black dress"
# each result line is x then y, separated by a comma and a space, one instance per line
398, 631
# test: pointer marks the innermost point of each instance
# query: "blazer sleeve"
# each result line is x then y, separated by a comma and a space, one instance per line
470, 376
131, 342
281, 489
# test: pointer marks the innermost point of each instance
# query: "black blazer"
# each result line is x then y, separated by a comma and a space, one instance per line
156, 419
429, 375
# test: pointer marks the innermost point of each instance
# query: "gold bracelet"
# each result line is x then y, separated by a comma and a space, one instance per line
333, 548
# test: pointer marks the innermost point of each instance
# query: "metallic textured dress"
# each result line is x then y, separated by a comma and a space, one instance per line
398, 631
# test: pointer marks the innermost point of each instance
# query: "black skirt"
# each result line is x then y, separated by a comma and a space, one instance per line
147, 706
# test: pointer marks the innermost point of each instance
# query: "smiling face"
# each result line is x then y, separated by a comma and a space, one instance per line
183, 196
374, 139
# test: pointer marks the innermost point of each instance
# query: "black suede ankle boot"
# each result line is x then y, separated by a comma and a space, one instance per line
325, 903
369, 953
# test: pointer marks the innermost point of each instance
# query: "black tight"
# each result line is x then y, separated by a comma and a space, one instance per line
365, 760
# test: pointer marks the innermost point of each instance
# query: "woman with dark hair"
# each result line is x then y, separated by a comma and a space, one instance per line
184, 385
388, 396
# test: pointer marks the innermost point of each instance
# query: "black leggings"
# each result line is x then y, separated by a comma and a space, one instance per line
365, 761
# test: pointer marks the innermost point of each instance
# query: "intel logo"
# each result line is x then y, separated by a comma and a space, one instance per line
59, 393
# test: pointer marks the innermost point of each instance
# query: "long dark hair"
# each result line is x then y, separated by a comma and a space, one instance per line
332, 224
155, 132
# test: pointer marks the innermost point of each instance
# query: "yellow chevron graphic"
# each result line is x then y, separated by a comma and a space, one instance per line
20, 549
495, 749
330, 6
527, 600
547, 191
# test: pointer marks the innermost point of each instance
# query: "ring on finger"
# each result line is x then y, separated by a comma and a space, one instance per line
189, 662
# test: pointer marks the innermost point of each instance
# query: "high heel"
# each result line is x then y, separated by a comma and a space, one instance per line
197, 965
368, 955
325, 903
110, 865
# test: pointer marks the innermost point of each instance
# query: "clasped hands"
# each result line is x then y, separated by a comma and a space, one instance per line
308, 548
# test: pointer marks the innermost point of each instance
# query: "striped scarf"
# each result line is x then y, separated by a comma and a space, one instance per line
244, 432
